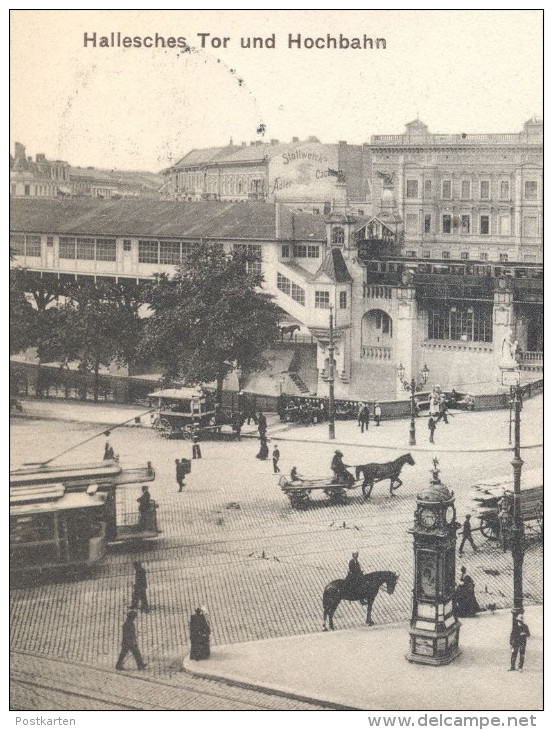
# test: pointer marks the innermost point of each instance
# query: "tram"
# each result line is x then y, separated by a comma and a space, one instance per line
68, 515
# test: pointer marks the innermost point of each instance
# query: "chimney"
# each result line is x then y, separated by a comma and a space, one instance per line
313, 139
252, 144
244, 144
295, 139
274, 141
342, 141
41, 157
19, 150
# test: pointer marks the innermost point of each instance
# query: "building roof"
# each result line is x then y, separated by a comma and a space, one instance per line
334, 266
163, 218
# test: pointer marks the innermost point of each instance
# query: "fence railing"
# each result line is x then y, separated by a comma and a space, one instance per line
374, 352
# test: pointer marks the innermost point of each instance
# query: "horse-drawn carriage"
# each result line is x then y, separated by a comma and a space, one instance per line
182, 412
336, 489
495, 504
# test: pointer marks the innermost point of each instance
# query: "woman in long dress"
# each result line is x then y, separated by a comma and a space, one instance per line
199, 636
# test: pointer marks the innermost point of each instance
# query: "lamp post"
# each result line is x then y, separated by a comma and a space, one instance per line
517, 542
331, 428
412, 386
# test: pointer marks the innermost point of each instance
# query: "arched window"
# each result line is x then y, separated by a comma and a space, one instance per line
338, 236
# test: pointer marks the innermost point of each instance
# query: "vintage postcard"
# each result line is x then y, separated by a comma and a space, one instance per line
276, 363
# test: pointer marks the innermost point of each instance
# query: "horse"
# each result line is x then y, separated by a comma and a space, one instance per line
366, 591
289, 330
376, 472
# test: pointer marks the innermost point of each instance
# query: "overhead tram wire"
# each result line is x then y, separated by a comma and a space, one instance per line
104, 432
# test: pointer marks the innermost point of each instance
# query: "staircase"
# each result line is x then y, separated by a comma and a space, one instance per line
298, 382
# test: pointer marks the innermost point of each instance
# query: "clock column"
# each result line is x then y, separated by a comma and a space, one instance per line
434, 630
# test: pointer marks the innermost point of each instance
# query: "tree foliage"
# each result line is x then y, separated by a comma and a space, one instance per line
23, 325
211, 318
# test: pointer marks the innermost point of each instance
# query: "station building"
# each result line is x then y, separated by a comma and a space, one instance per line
440, 266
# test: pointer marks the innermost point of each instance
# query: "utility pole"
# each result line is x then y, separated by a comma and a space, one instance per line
517, 542
331, 429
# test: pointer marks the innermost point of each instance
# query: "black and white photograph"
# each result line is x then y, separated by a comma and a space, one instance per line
276, 294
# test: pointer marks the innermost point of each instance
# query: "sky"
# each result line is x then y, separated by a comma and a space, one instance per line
137, 108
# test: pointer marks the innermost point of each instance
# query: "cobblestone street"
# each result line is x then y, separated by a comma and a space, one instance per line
232, 542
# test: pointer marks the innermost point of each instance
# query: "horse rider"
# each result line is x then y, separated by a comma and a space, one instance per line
354, 577
341, 474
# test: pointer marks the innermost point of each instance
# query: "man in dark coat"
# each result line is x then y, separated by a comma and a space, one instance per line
467, 535
341, 474
108, 451
431, 429
276, 457
364, 417
354, 577
196, 450
129, 643
262, 425
144, 508
139, 589
519, 633
180, 474
199, 636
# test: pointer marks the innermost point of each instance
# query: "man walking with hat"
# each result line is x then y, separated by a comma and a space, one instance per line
519, 633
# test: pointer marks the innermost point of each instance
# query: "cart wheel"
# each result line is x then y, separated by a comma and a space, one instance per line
490, 530
163, 425
336, 494
299, 500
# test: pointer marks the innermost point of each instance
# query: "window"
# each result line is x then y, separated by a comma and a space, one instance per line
187, 248
302, 252
105, 249
338, 236
67, 247
465, 189
483, 256
253, 254
148, 252
504, 192
85, 249
460, 322
427, 222
126, 244
49, 241
484, 225
465, 224
32, 245
17, 243
464, 255
343, 300
27, 189
446, 189
322, 300
504, 225
411, 254
283, 283
412, 189
411, 223
531, 190
298, 294
428, 188
383, 322
484, 189
446, 224
169, 252
285, 252
445, 254
426, 254
530, 226
504, 257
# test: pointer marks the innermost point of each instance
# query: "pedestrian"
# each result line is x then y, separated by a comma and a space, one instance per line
108, 451
431, 428
519, 634
377, 413
276, 457
261, 424
250, 414
180, 474
199, 636
443, 412
281, 407
196, 450
263, 452
144, 508
129, 643
139, 588
464, 599
364, 417
505, 518
467, 535
360, 407
237, 421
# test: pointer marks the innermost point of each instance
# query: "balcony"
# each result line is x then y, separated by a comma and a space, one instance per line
532, 361
375, 352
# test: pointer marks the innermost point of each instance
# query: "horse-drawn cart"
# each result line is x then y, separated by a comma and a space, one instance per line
495, 505
182, 412
298, 492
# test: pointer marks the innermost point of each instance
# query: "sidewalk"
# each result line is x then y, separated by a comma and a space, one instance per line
365, 668
466, 432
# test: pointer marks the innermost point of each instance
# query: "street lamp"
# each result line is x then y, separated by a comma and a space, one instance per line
517, 537
412, 387
331, 348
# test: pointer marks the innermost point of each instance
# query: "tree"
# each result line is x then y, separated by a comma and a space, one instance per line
211, 318
23, 330
98, 324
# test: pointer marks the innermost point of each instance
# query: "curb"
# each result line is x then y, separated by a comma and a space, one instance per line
266, 689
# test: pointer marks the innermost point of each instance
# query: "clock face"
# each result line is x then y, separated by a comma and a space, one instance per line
449, 514
428, 517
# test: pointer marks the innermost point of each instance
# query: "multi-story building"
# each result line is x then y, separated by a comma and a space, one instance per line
303, 174
39, 178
